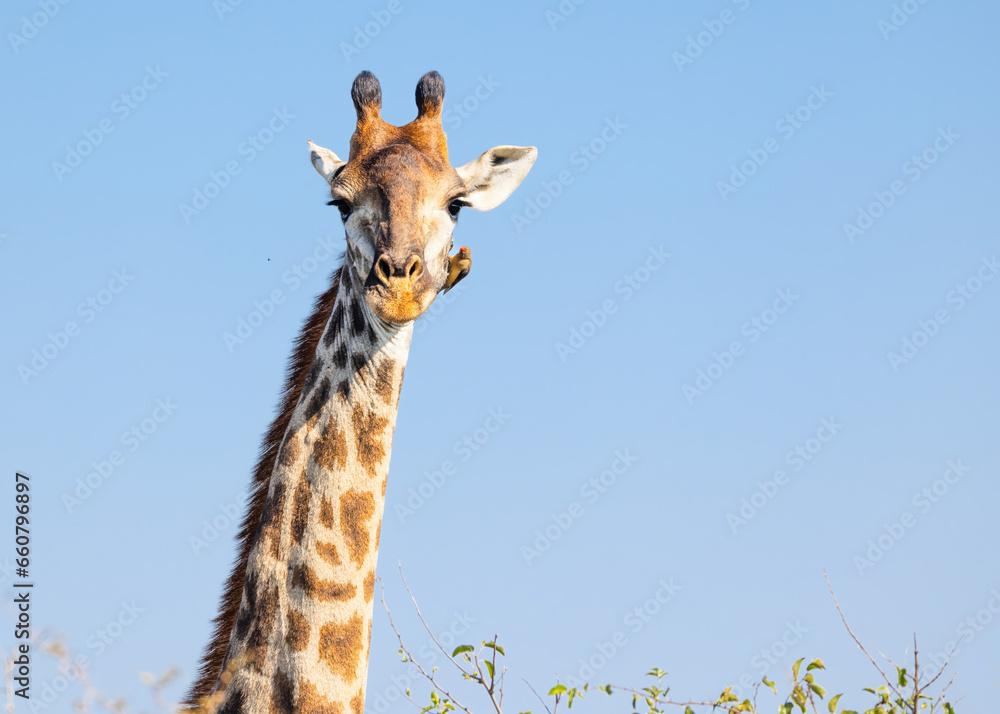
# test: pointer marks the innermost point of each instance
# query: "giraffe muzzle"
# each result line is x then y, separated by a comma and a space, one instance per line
389, 271
397, 288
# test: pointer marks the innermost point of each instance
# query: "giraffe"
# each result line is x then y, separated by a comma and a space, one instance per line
294, 627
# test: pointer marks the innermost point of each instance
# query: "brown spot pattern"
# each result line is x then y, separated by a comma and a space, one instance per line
383, 380
340, 646
235, 701
282, 694
328, 552
263, 611
333, 328
322, 590
300, 510
270, 520
340, 356
319, 398
326, 513
331, 447
290, 451
358, 703
356, 509
359, 361
311, 701
399, 388
370, 585
296, 631
358, 322
368, 430
314, 371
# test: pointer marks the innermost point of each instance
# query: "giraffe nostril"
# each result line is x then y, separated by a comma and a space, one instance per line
414, 268
383, 269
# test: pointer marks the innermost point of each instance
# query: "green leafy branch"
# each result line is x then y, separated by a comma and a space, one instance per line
480, 665
905, 694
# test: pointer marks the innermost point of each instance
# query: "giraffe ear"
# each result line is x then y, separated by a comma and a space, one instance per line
492, 178
324, 161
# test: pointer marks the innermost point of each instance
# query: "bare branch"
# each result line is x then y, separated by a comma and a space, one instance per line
409, 657
856, 640
945, 690
537, 695
426, 626
945, 665
482, 680
644, 695
494, 663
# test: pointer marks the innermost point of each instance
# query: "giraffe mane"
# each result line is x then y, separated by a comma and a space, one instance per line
298, 367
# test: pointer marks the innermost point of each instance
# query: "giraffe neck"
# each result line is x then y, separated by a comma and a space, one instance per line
301, 639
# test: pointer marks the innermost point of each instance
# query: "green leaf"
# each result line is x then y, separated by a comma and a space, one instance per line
768, 683
818, 689
688, 710
902, 676
832, 706
462, 648
727, 696
816, 664
494, 646
786, 708
558, 689
799, 697
606, 688
795, 668
489, 667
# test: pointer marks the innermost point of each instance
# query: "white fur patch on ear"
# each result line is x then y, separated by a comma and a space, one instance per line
324, 161
491, 178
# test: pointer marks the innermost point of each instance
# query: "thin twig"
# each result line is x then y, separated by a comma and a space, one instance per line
945, 690
428, 677
945, 665
537, 695
427, 627
482, 680
671, 702
494, 663
856, 640
503, 674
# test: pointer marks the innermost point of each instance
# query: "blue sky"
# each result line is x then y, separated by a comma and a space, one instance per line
738, 323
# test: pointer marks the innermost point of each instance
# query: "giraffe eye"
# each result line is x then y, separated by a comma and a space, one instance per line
343, 206
454, 207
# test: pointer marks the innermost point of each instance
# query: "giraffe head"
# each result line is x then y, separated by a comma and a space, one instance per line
399, 198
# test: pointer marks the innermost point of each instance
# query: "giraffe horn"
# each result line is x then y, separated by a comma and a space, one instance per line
367, 95
430, 96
